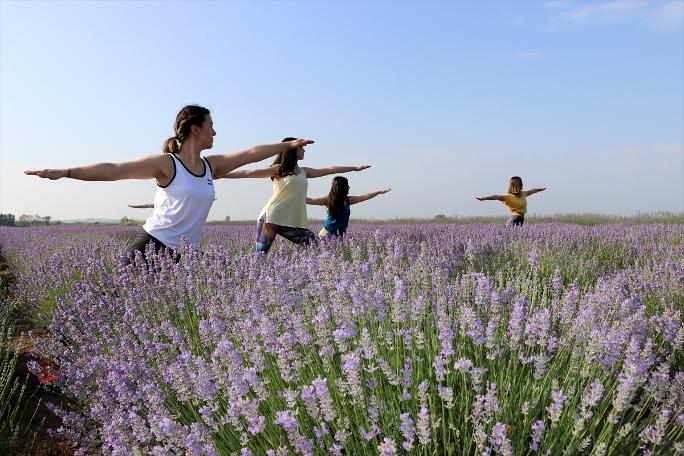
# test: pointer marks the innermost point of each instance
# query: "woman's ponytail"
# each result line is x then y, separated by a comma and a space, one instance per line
171, 146
187, 117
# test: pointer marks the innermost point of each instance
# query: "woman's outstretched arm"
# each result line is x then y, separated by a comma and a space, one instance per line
320, 172
534, 190
271, 171
367, 196
147, 206
317, 201
225, 163
151, 167
491, 198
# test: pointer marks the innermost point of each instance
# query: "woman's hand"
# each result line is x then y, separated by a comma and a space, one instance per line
52, 174
385, 190
362, 167
297, 143
491, 198
223, 164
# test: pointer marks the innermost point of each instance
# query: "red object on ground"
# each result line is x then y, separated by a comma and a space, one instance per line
48, 373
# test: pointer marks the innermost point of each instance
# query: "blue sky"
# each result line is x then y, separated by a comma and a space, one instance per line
446, 100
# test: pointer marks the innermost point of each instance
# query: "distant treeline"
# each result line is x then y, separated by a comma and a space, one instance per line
26, 220
577, 219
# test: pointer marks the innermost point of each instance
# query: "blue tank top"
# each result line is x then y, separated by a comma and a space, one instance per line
339, 225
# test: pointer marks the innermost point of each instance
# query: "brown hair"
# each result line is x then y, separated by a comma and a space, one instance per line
287, 159
187, 117
338, 197
516, 186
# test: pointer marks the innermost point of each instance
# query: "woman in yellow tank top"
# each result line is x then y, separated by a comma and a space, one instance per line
515, 200
285, 212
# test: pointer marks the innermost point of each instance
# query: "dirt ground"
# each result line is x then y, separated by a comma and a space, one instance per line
34, 438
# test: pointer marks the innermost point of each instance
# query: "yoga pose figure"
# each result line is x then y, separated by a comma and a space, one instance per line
338, 204
515, 200
285, 213
185, 188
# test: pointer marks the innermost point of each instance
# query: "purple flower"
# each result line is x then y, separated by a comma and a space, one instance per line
439, 365
387, 447
287, 420
502, 443
463, 365
407, 431
538, 429
556, 408
423, 426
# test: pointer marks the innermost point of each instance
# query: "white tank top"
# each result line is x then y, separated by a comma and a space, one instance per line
181, 207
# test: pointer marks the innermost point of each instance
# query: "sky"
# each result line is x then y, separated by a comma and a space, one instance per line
446, 100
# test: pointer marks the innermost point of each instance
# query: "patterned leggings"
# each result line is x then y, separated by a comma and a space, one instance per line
266, 234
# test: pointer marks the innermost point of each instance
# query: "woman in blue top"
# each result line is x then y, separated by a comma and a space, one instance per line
337, 202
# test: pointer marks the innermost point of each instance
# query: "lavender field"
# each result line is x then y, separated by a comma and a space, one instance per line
405, 339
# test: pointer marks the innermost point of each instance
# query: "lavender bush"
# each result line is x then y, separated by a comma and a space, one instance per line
404, 339
12, 390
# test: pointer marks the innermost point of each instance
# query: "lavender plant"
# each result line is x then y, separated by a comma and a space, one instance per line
427, 339
12, 390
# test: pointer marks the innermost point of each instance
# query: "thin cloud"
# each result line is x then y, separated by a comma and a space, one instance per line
667, 16
645, 154
614, 11
528, 56
664, 16
555, 4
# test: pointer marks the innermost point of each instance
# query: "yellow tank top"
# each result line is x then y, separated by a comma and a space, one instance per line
287, 206
517, 204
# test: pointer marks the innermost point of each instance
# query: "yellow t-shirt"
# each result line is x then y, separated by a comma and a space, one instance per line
287, 206
517, 204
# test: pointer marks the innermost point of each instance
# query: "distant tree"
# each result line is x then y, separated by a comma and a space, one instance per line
227, 218
7, 220
33, 220
440, 217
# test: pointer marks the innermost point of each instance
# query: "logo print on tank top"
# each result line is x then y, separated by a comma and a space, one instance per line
209, 182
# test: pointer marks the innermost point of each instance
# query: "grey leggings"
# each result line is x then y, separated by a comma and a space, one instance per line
140, 241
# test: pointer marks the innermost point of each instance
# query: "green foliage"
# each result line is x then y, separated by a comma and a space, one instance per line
34, 220
12, 389
6, 219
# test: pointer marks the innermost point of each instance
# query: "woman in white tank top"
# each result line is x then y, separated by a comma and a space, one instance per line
185, 189
285, 212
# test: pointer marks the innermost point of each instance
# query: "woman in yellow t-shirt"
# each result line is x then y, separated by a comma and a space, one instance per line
285, 212
515, 200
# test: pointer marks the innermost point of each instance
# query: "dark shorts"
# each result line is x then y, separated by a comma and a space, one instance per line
139, 243
515, 220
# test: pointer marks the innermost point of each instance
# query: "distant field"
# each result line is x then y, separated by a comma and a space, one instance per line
579, 219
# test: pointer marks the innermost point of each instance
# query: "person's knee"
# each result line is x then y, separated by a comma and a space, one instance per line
132, 250
310, 239
132, 253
